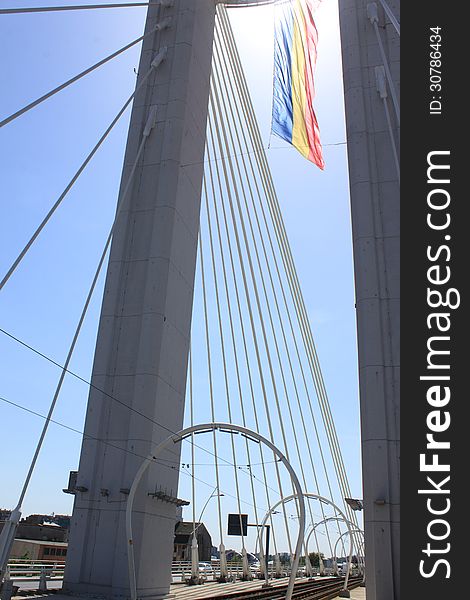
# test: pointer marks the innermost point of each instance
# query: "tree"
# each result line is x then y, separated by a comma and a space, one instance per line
314, 560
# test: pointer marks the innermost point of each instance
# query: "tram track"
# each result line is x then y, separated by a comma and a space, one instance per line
323, 589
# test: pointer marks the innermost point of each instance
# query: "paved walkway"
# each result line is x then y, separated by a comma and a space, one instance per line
358, 594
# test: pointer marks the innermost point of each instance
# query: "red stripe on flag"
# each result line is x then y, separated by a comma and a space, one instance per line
313, 131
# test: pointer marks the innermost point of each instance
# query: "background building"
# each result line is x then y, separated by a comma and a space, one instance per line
4, 514
183, 537
46, 532
39, 550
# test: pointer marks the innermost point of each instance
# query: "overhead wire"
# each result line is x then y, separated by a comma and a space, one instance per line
266, 148
245, 183
193, 448
111, 397
211, 397
238, 73
79, 325
106, 442
209, 149
224, 360
69, 186
115, 399
270, 318
77, 77
286, 255
238, 123
218, 126
41, 9
263, 463
285, 250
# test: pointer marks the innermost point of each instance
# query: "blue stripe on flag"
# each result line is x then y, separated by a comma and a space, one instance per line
282, 118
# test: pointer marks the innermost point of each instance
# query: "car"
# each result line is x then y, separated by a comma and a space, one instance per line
205, 568
255, 567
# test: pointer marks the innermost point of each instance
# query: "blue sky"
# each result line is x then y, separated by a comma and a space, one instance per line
40, 152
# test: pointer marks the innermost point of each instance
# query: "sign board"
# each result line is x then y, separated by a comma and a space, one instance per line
237, 524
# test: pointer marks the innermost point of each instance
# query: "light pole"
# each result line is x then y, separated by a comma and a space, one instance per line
194, 546
354, 503
220, 494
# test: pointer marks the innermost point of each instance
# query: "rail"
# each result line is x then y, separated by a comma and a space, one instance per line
303, 590
24, 570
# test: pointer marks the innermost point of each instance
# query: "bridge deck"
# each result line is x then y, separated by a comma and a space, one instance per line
201, 592
180, 591
210, 590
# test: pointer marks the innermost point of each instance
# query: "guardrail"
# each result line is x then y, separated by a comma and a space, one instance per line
21, 569
181, 570
31, 570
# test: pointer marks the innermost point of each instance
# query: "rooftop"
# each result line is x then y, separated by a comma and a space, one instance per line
43, 542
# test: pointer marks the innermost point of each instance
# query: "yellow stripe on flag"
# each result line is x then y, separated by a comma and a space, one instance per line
299, 94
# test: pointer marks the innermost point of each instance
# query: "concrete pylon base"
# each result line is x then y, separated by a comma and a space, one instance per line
344, 594
246, 576
142, 346
42, 587
7, 589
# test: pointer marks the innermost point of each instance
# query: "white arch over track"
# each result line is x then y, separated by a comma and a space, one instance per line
206, 428
354, 527
302, 523
357, 530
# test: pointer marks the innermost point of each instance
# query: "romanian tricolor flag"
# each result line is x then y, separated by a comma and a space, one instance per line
295, 55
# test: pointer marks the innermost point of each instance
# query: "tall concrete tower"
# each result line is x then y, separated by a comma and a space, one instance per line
143, 338
370, 48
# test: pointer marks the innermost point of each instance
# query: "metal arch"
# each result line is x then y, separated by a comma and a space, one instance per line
349, 532
360, 554
347, 521
178, 437
363, 562
315, 525
302, 524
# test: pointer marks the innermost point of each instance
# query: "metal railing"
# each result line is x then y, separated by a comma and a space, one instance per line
181, 570
34, 568
24, 570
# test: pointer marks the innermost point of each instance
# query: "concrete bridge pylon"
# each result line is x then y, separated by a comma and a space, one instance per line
142, 346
